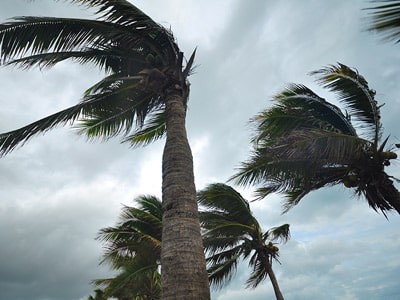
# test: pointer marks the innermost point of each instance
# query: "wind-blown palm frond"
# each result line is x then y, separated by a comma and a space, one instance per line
385, 19
105, 115
231, 233
120, 42
299, 107
134, 248
353, 92
304, 143
154, 129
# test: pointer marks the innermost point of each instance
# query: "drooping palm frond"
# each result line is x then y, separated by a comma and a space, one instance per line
223, 199
133, 247
138, 233
105, 114
303, 143
385, 19
223, 266
259, 272
231, 234
353, 91
120, 42
300, 162
279, 233
136, 279
154, 129
299, 107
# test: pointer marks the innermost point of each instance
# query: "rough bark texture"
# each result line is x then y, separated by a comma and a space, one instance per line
274, 282
183, 267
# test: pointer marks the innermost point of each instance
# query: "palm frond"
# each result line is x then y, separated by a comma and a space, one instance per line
119, 11
298, 107
353, 91
258, 274
153, 129
223, 198
279, 233
124, 105
25, 36
222, 267
385, 19
10, 140
137, 234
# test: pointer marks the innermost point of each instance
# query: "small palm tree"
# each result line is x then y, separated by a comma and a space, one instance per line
232, 233
133, 247
385, 19
304, 143
143, 97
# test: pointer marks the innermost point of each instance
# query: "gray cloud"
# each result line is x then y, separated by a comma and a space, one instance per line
58, 191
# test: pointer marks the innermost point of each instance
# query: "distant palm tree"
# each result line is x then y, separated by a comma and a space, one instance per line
385, 19
304, 143
143, 97
133, 247
232, 233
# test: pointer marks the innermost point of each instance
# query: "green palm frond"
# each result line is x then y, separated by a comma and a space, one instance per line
103, 115
353, 92
222, 267
214, 242
10, 140
303, 143
230, 203
122, 110
119, 42
118, 11
298, 107
279, 233
133, 247
259, 272
135, 279
31, 36
385, 19
154, 129
311, 157
137, 233
231, 233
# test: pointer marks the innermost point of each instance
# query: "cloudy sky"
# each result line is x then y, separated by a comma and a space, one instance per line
57, 191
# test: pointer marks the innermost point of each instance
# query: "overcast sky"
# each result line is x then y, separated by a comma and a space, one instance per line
58, 190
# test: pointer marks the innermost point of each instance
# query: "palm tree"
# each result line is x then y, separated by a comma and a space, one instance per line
133, 247
385, 17
304, 143
232, 233
143, 97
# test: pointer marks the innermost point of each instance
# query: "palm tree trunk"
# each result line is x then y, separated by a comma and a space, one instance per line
183, 267
274, 281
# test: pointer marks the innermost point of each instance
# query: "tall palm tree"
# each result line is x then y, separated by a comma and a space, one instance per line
303, 143
385, 19
133, 247
143, 97
232, 233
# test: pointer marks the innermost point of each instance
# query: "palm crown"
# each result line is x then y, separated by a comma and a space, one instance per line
303, 143
232, 233
140, 58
